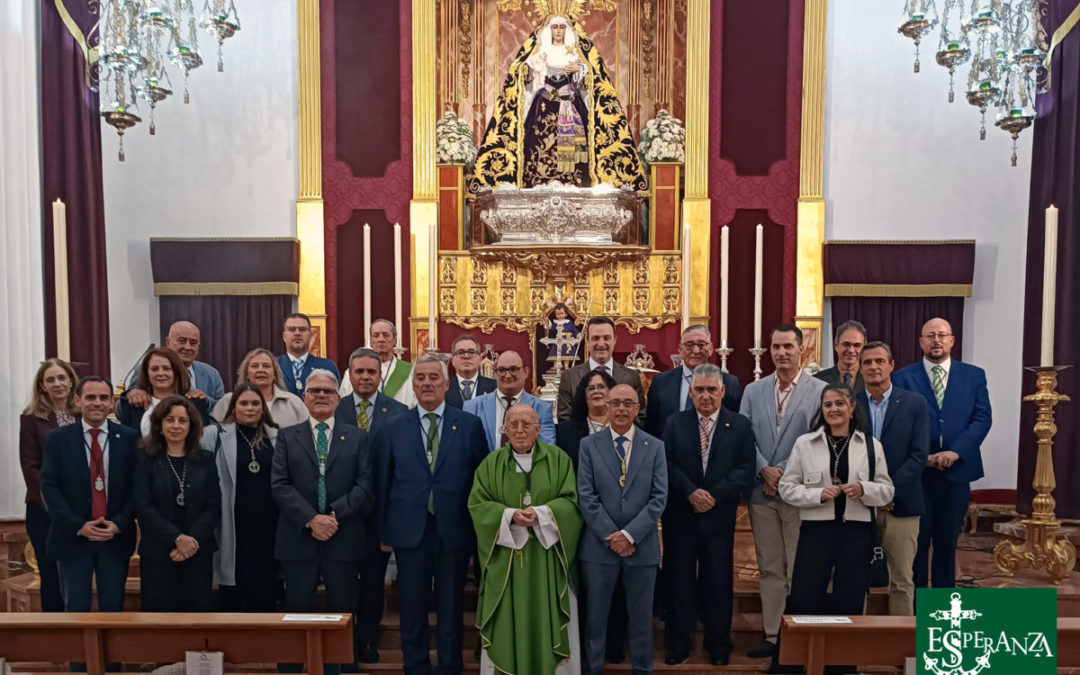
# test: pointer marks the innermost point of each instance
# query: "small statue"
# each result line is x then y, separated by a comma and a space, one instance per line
561, 320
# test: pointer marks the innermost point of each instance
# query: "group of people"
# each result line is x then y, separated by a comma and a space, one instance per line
252, 499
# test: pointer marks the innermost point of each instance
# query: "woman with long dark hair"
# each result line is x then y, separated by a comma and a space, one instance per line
161, 374
178, 504
588, 413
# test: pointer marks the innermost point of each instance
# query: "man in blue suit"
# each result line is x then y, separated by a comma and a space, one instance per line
510, 376
960, 417
297, 363
369, 409
898, 419
86, 479
426, 461
467, 382
711, 463
670, 391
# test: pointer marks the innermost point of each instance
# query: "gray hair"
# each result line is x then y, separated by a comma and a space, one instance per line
847, 325
698, 326
362, 353
431, 358
707, 370
388, 322
321, 372
877, 345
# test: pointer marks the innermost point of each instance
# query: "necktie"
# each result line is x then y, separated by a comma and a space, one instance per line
433, 453
620, 450
362, 419
689, 402
847, 379
298, 371
322, 448
603, 369
503, 438
938, 383
98, 504
467, 394
703, 435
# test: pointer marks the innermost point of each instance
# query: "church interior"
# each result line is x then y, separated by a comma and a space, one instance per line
477, 168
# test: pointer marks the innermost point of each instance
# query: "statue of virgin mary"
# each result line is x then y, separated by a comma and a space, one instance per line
558, 118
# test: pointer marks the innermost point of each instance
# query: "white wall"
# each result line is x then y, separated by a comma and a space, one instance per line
224, 165
903, 163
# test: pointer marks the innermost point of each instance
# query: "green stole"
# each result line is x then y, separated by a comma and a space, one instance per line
529, 587
397, 378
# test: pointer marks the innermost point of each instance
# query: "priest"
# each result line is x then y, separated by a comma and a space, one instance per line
524, 508
395, 375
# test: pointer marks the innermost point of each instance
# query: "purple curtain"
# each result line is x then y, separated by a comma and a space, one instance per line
1055, 177
71, 168
897, 321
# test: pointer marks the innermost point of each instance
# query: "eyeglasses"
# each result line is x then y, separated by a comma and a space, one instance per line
936, 336
596, 387
467, 352
319, 391
691, 346
622, 402
507, 370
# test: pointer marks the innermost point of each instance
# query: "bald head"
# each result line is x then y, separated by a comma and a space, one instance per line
183, 339
522, 426
623, 407
936, 340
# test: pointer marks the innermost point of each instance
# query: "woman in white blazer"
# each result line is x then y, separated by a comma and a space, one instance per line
244, 565
828, 479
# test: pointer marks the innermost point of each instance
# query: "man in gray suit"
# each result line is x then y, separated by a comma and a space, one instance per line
848, 341
780, 408
622, 491
600, 336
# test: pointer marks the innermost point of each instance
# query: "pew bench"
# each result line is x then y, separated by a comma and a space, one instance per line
138, 637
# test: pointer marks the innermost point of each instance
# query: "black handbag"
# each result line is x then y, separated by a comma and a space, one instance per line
879, 568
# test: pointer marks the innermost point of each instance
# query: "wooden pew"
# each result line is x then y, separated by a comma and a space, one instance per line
137, 637
882, 641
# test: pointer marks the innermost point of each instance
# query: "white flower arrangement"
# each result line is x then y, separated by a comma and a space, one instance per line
453, 140
663, 139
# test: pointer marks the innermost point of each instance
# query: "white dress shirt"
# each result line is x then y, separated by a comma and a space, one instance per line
593, 365
461, 385
928, 365
329, 422
684, 386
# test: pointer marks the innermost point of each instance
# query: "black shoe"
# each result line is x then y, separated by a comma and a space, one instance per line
762, 651
720, 660
369, 653
675, 658
614, 657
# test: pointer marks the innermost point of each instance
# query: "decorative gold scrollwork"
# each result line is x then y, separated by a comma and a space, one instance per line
671, 300
465, 46
509, 300
509, 275
479, 273
671, 269
583, 300
611, 301
558, 263
446, 301
448, 275
537, 300
611, 273
641, 300
479, 301
641, 271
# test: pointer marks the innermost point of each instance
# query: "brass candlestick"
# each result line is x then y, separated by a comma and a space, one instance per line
1044, 547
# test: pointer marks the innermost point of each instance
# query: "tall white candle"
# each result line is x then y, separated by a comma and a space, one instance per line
397, 281
367, 281
686, 277
60, 279
758, 251
1046, 353
433, 286
725, 244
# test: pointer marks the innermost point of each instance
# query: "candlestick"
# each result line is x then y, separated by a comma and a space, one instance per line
397, 282
725, 243
758, 249
686, 277
60, 280
724, 353
758, 351
433, 286
1046, 353
367, 282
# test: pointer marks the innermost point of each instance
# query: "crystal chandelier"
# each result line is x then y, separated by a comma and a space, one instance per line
137, 41
1004, 43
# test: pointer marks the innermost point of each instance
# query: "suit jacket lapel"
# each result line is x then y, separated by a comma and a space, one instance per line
794, 400
770, 409
307, 442
923, 383
896, 401
447, 439
487, 407
639, 454
336, 446
228, 447
722, 426
608, 455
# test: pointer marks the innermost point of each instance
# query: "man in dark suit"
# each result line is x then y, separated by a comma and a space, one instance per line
622, 489
369, 409
86, 482
426, 461
321, 478
848, 341
960, 418
600, 337
297, 363
670, 391
711, 463
467, 383
898, 419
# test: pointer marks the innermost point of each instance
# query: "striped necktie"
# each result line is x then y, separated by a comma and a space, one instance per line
938, 383
363, 420
703, 434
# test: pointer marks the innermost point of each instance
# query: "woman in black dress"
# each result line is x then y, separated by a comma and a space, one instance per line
244, 565
178, 504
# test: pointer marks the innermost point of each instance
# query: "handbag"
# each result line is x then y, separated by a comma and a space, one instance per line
879, 568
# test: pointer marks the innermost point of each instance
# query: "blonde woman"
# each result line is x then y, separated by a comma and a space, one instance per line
52, 405
261, 369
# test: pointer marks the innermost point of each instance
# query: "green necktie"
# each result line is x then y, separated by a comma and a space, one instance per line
362, 419
322, 448
433, 452
938, 383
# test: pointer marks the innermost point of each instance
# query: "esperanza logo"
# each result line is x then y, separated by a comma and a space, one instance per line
964, 631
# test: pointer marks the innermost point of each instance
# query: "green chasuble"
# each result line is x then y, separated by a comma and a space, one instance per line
523, 611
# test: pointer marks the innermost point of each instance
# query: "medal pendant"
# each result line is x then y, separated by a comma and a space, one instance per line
299, 385
528, 499
322, 469
180, 499
99, 484
836, 480
622, 480
429, 458
254, 467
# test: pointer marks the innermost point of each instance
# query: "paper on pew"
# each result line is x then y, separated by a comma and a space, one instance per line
821, 619
312, 617
204, 663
